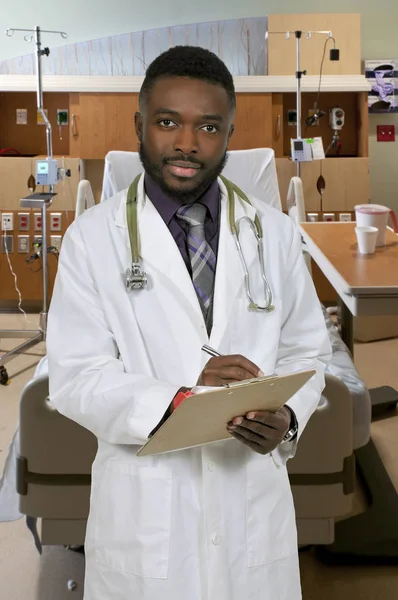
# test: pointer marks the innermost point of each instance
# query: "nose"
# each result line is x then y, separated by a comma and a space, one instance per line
186, 140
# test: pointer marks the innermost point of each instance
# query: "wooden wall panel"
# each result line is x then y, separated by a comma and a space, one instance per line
105, 122
30, 139
347, 183
278, 124
346, 29
253, 122
74, 126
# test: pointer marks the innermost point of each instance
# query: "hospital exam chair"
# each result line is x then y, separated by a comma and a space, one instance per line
55, 454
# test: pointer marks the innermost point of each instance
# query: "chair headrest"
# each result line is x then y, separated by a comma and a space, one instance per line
254, 171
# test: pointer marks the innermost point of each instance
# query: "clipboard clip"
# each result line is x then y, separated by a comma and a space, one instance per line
248, 381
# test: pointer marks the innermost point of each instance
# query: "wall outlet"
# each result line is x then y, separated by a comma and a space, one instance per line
345, 217
37, 239
312, 217
329, 217
7, 242
386, 133
23, 221
292, 118
22, 116
23, 244
55, 241
55, 221
62, 116
7, 221
37, 221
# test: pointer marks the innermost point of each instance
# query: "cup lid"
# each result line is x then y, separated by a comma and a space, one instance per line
372, 209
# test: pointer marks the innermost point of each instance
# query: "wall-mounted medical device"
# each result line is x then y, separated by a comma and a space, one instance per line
47, 172
336, 118
301, 150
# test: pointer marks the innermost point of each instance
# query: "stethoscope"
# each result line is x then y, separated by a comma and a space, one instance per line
136, 278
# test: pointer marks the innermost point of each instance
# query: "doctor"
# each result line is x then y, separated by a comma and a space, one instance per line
215, 522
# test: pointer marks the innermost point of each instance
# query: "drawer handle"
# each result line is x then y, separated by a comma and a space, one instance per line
278, 127
74, 126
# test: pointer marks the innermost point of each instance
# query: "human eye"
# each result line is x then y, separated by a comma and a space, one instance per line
210, 128
166, 123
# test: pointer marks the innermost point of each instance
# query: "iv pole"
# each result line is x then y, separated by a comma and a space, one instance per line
299, 73
42, 201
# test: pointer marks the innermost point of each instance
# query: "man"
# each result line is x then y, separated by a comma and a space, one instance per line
214, 522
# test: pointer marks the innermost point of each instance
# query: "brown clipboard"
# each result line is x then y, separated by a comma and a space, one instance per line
202, 418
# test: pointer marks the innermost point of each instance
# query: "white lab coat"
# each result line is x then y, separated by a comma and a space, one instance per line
210, 523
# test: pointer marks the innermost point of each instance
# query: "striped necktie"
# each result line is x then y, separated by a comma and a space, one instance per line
202, 257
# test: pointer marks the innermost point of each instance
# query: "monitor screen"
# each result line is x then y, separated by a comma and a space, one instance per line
42, 168
298, 146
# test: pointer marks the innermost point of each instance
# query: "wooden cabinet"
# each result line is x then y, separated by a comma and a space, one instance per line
30, 139
347, 184
346, 179
104, 122
101, 123
253, 122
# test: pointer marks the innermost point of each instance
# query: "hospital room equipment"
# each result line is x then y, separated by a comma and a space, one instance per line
54, 455
301, 153
136, 278
47, 174
337, 118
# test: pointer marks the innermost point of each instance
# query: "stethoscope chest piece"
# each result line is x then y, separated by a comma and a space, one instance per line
135, 278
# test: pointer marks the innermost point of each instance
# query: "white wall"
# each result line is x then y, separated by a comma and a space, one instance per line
90, 19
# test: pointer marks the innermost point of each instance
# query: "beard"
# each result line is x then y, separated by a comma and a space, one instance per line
184, 196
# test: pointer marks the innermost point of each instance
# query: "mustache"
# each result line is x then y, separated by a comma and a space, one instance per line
183, 158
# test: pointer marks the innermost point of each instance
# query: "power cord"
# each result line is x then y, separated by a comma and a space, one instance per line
37, 252
15, 278
314, 118
321, 71
321, 183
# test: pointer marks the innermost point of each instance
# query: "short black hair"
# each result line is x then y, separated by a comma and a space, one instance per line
189, 61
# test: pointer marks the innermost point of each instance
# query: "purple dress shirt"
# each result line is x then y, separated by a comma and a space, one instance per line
167, 208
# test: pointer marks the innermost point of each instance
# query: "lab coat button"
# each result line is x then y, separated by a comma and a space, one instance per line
211, 466
216, 540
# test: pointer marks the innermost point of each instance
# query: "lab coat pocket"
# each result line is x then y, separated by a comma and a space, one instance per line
270, 520
133, 519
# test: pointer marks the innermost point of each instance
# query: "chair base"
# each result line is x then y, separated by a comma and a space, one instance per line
371, 537
383, 399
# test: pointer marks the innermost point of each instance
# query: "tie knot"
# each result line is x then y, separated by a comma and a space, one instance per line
193, 214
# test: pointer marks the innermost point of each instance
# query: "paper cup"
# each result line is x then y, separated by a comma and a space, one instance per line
366, 237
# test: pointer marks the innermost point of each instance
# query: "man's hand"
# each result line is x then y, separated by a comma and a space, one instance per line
227, 369
262, 431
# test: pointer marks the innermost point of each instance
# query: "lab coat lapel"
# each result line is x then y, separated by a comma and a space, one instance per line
159, 252
229, 282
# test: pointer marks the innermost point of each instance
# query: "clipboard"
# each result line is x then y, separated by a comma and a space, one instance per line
202, 418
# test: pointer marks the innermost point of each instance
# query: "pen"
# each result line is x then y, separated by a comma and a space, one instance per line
210, 350
213, 352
